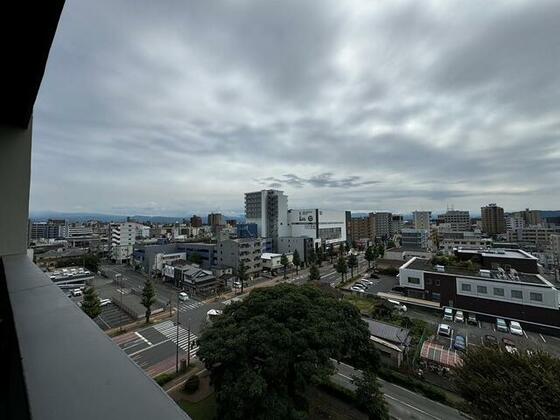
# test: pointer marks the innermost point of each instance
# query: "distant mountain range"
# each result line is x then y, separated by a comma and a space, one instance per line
102, 217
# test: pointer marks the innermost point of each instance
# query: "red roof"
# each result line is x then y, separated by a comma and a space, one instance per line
437, 353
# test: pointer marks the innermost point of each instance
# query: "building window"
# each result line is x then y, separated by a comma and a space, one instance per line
436, 296
537, 297
465, 287
498, 291
481, 289
437, 282
414, 280
517, 294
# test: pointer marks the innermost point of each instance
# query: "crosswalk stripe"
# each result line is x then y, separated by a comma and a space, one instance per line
169, 330
191, 305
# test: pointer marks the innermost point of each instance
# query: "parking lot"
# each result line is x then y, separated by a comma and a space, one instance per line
382, 284
474, 334
111, 317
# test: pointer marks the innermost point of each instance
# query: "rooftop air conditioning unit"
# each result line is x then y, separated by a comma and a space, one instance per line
440, 268
485, 273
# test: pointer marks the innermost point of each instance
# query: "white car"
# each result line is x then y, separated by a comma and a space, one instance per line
447, 314
183, 296
365, 281
357, 289
77, 292
104, 302
397, 305
515, 328
444, 329
459, 317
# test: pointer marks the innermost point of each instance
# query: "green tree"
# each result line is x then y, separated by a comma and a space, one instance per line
296, 260
369, 256
341, 267
314, 273
369, 397
500, 385
380, 250
352, 263
320, 255
332, 253
312, 257
91, 304
148, 298
284, 261
242, 275
264, 352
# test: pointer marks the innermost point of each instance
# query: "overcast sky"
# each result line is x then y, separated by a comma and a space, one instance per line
173, 107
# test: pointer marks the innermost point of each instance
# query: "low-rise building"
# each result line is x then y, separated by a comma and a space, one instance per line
414, 239
232, 252
192, 279
391, 341
273, 262
290, 244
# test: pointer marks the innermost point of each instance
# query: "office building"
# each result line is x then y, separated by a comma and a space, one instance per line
422, 219
457, 220
216, 219
326, 226
231, 252
448, 242
268, 209
493, 222
153, 257
414, 239
507, 284
122, 239
196, 221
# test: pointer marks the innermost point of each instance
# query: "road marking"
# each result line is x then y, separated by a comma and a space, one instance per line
169, 330
542, 338
411, 406
143, 338
524, 333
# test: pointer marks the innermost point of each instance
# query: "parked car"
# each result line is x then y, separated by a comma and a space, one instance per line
490, 341
501, 325
471, 319
515, 328
447, 314
459, 317
397, 305
444, 329
357, 289
460, 343
360, 284
509, 345
183, 296
77, 292
365, 281
104, 302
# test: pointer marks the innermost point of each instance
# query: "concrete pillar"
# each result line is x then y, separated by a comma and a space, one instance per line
15, 172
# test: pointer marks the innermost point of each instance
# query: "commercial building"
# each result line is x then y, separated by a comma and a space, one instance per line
232, 252
290, 244
325, 225
151, 258
122, 239
493, 222
268, 209
414, 239
499, 283
458, 220
51, 229
422, 219
73, 230
465, 240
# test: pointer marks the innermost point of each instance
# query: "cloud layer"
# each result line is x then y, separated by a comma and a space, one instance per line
180, 106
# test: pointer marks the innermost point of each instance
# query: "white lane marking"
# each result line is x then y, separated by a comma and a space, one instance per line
542, 338
411, 406
525, 334
143, 338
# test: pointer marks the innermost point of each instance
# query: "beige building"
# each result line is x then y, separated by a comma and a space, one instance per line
493, 221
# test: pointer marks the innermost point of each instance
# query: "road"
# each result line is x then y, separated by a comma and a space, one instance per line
402, 403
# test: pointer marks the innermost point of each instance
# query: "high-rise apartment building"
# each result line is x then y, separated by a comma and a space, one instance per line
196, 221
50, 229
268, 209
216, 219
382, 224
458, 220
530, 217
493, 221
360, 228
422, 219
123, 237
397, 222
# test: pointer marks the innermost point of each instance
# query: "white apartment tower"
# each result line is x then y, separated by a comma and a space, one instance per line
123, 236
268, 209
422, 219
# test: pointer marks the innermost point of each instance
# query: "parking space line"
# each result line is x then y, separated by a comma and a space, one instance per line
525, 334
542, 338
143, 338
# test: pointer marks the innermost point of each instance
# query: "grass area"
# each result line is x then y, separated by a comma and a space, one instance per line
202, 410
363, 304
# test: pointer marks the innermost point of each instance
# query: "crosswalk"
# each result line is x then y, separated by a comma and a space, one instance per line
169, 329
189, 305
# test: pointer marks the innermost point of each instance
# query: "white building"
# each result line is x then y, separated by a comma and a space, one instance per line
268, 209
76, 230
325, 226
514, 222
555, 244
271, 261
123, 237
458, 220
422, 219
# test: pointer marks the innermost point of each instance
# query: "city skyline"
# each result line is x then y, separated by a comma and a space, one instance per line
348, 112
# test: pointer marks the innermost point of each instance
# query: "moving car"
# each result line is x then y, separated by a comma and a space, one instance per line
490, 341
459, 317
460, 343
471, 319
447, 314
515, 328
183, 296
501, 325
444, 329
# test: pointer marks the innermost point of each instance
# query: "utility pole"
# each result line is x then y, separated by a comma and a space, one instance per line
189, 343
177, 347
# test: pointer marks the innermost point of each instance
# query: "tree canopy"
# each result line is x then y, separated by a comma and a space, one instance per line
314, 273
296, 259
352, 263
370, 255
284, 261
148, 298
341, 267
91, 304
500, 385
264, 352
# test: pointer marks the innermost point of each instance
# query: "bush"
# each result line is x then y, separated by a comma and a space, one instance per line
192, 384
409, 383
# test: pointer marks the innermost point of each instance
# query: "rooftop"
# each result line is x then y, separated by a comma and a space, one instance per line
388, 332
498, 253
513, 276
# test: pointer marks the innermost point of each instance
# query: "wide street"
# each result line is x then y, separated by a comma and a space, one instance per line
402, 403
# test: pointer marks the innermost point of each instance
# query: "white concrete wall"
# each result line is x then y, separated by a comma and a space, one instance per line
15, 172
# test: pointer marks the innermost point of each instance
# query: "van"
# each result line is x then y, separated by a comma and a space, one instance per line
397, 305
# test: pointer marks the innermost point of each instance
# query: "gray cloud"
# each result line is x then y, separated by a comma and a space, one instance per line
183, 106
